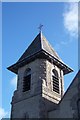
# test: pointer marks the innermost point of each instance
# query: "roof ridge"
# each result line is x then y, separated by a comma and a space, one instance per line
51, 48
41, 35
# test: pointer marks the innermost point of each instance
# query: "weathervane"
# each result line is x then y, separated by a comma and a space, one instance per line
40, 27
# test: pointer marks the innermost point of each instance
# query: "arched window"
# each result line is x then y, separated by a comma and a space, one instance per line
55, 79
27, 80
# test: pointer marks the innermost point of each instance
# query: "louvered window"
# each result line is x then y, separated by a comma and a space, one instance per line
55, 79
27, 80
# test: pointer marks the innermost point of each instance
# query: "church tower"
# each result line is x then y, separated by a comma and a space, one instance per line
40, 80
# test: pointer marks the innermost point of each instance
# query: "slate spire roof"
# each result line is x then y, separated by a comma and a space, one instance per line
38, 44
40, 48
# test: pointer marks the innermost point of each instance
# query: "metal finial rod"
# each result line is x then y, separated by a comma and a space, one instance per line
40, 27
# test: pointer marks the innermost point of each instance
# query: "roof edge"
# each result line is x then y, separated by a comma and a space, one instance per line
76, 76
48, 56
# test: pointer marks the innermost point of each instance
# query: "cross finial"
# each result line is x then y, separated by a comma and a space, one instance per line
40, 27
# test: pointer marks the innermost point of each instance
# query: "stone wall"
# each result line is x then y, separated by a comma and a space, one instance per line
67, 107
47, 88
40, 99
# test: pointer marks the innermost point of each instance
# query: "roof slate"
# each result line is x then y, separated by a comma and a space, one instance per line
38, 44
39, 48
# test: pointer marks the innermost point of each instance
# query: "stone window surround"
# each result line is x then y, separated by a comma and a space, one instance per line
56, 75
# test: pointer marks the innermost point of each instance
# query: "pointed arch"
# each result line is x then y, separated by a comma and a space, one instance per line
55, 73
27, 72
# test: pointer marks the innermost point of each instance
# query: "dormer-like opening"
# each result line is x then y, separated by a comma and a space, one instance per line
27, 80
55, 81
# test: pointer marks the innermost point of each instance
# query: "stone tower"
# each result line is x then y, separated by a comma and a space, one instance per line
40, 82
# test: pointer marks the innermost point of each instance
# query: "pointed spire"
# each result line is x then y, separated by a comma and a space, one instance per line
39, 47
